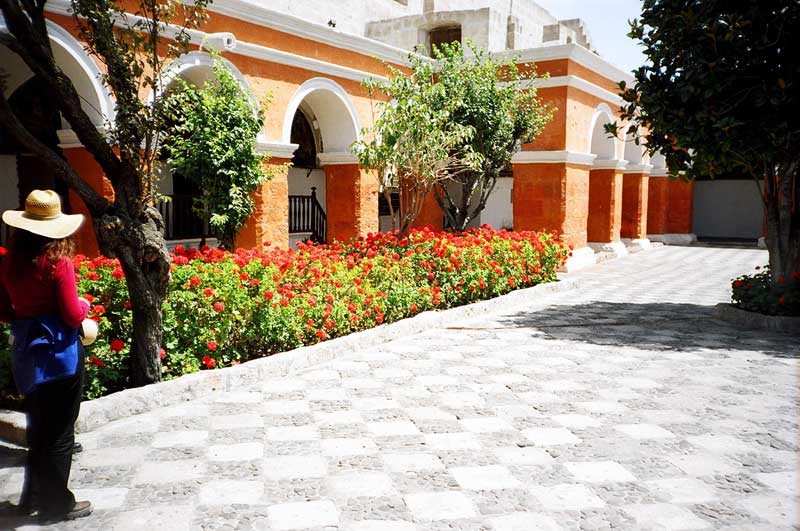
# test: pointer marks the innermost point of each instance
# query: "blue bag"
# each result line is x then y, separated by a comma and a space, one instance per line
45, 349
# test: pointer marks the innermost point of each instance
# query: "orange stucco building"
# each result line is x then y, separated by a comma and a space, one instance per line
600, 194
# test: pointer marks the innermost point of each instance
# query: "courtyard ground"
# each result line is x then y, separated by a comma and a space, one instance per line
619, 405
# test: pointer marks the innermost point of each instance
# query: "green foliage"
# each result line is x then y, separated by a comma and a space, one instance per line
211, 139
415, 143
720, 94
502, 109
760, 293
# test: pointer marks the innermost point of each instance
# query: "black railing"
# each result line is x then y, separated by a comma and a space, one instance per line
181, 222
307, 215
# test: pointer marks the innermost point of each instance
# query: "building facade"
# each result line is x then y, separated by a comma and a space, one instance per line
600, 194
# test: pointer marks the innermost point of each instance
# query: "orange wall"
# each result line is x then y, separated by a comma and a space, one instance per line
605, 205
634, 205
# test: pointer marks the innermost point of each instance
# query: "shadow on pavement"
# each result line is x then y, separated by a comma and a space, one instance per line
658, 326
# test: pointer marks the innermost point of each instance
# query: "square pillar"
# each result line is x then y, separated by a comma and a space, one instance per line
351, 197
430, 214
634, 205
605, 204
90, 171
679, 212
270, 219
657, 202
552, 197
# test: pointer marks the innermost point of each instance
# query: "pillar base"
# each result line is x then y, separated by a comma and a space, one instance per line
762, 243
637, 244
617, 248
581, 258
673, 239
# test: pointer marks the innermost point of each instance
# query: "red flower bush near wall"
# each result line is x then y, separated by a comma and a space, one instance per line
759, 293
225, 308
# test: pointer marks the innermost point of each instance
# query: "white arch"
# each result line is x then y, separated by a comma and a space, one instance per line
203, 64
633, 154
333, 109
599, 144
100, 105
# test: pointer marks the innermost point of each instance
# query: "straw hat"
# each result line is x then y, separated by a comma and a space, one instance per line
88, 332
43, 216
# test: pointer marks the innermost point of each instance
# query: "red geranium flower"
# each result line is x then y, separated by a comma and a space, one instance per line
117, 345
98, 309
218, 306
195, 281
3, 251
94, 360
781, 300
209, 362
212, 345
89, 297
118, 274
208, 292
162, 353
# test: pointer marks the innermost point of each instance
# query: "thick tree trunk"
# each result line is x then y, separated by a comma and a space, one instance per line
782, 198
141, 249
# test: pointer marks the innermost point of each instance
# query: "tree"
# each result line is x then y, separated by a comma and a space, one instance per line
211, 140
720, 94
415, 143
502, 114
133, 49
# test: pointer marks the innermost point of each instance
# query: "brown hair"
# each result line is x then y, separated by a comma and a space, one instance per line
32, 247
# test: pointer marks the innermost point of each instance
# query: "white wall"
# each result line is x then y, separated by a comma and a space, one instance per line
300, 184
499, 211
727, 209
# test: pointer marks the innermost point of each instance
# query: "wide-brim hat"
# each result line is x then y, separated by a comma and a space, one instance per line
88, 332
43, 216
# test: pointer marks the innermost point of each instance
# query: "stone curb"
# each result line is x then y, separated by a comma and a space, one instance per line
774, 323
96, 413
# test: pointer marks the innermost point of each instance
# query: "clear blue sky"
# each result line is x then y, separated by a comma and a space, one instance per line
607, 21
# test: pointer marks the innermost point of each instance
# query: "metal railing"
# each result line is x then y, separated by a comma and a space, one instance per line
307, 215
180, 220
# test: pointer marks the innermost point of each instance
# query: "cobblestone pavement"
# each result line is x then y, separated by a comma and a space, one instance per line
621, 405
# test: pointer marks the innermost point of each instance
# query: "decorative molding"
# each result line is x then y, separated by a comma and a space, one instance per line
278, 150
638, 168
550, 157
67, 138
659, 172
327, 85
573, 52
341, 157
581, 84
260, 15
609, 164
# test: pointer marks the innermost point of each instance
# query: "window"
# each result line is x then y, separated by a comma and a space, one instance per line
383, 204
444, 35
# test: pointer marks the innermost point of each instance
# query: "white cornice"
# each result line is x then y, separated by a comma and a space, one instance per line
276, 150
580, 84
609, 164
638, 168
261, 15
67, 138
551, 157
659, 172
342, 157
573, 52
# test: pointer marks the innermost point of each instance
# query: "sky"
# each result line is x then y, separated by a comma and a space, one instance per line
607, 21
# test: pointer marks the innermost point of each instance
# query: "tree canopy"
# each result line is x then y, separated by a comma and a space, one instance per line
719, 93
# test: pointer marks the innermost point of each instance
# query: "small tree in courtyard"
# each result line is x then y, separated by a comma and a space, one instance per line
211, 140
132, 50
502, 114
415, 143
721, 93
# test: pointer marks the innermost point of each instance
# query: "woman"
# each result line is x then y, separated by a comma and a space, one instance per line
39, 297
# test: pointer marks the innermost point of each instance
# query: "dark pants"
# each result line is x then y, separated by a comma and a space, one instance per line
52, 410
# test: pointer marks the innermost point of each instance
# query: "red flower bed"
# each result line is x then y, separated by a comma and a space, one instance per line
760, 293
225, 308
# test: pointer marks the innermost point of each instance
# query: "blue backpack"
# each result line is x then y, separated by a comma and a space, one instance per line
45, 349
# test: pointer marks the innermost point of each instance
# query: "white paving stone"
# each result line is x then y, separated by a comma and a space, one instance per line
235, 422
161, 516
285, 407
412, 462
720, 444
452, 441
665, 516
228, 492
701, 464
157, 472
236, 452
302, 515
396, 428
777, 510
292, 433
440, 506
783, 482
644, 431
523, 522
295, 467
190, 438
576, 421
599, 471
603, 406
361, 484
486, 425
493, 477
514, 455
567, 497
342, 447
103, 499
683, 490
550, 436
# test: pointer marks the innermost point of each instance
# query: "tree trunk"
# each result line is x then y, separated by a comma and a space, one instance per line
783, 220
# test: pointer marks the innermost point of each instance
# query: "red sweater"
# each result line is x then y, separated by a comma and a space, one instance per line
28, 291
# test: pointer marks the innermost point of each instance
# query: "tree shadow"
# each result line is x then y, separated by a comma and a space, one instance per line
675, 327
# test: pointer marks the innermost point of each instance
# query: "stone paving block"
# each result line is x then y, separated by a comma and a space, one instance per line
169, 472
599, 472
639, 383
361, 484
295, 467
190, 438
644, 431
567, 497
550, 436
412, 462
440, 506
168, 516
720, 444
429, 413
462, 399
452, 441
701, 464
327, 394
493, 477
777, 510
285, 407
237, 397
666, 516
375, 404
381, 525
486, 425
523, 522
397, 428
344, 416
514, 455
234, 422
103, 457
784, 482
683, 490
576, 421
342, 447
103, 499
292, 433
514, 411
302, 515
603, 406
560, 386
536, 398
236, 452
228, 492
